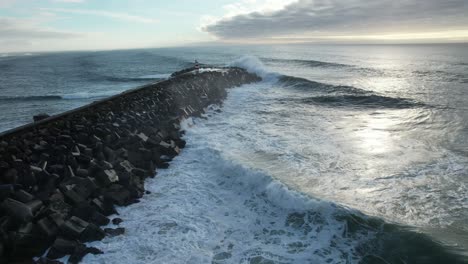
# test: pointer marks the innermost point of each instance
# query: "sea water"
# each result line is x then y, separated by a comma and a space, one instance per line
341, 154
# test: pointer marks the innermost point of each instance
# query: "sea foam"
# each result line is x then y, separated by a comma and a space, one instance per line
208, 208
253, 65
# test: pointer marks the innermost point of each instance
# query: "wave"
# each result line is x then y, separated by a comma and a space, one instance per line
222, 206
232, 211
31, 98
393, 243
309, 63
344, 96
254, 65
339, 234
304, 84
438, 74
330, 65
362, 101
337, 95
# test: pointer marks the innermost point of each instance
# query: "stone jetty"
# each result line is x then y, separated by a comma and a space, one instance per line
62, 176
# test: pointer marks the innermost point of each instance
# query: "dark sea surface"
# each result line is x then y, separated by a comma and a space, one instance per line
342, 154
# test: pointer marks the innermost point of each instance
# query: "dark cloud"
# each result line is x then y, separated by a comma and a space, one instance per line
347, 17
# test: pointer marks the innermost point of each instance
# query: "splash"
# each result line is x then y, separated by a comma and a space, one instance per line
254, 65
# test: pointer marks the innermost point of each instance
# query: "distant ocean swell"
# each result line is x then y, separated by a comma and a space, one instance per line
74, 96
308, 63
440, 75
89, 94
132, 79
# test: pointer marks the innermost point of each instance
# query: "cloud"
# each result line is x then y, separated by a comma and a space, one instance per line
15, 29
69, 1
113, 15
7, 3
327, 18
252, 6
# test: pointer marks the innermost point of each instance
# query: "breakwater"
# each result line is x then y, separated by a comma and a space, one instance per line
61, 177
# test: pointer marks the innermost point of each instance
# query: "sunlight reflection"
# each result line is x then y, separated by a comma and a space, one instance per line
374, 136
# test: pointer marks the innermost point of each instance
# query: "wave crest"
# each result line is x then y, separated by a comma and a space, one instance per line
344, 96
304, 84
253, 65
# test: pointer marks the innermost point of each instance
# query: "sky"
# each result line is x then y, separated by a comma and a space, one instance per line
54, 25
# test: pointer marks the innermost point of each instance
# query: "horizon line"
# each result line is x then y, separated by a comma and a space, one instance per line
213, 44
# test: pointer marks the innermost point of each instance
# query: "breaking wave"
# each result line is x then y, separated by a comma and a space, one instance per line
214, 210
335, 95
254, 65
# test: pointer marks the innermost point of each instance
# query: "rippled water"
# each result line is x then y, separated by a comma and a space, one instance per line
342, 154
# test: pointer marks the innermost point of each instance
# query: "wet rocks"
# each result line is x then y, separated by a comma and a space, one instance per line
81, 251
62, 177
17, 210
61, 248
114, 231
117, 221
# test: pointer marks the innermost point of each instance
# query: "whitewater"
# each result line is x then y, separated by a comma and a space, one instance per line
342, 154
234, 195
208, 208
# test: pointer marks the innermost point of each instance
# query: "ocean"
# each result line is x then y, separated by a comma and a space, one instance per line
342, 154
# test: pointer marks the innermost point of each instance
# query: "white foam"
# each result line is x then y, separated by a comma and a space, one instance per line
156, 76
201, 209
253, 65
211, 70
207, 206
202, 70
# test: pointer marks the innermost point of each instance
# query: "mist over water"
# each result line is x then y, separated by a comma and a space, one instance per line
342, 154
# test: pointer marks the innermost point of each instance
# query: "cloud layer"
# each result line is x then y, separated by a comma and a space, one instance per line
102, 13
21, 29
330, 18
